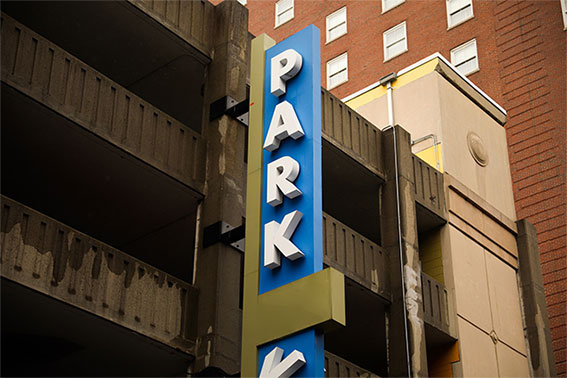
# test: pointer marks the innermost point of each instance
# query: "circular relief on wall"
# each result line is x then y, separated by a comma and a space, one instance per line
477, 149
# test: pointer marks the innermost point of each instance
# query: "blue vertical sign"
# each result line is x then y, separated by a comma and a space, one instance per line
303, 92
292, 245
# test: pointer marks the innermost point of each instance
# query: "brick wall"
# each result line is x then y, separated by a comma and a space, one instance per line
531, 61
521, 50
427, 33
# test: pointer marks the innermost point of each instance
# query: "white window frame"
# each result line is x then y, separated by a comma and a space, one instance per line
463, 46
280, 12
336, 13
400, 25
243, 2
345, 56
386, 9
564, 12
449, 24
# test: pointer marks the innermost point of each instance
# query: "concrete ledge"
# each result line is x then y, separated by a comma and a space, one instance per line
480, 203
471, 91
357, 257
351, 133
339, 367
193, 21
64, 84
52, 258
429, 193
437, 308
475, 217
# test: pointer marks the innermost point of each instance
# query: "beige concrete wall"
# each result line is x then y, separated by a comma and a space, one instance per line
459, 117
489, 321
480, 267
376, 111
416, 107
478, 245
432, 105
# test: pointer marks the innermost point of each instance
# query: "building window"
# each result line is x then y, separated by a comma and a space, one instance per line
389, 4
459, 11
284, 11
395, 41
243, 2
337, 71
336, 24
465, 58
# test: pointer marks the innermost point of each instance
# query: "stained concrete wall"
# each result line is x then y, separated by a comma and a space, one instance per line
542, 361
218, 267
191, 20
349, 131
357, 257
339, 367
53, 77
45, 255
210, 162
400, 239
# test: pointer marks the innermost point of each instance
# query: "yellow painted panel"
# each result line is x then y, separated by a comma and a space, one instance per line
366, 97
253, 205
283, 311
430, 254
402, 80
440, 359
428, 155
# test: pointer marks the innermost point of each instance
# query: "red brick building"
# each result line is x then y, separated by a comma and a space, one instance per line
515, 51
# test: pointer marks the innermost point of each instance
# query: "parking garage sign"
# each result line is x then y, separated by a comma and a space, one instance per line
291, 198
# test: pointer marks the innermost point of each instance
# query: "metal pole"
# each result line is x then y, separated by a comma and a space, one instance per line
398, 210
390, 105
437, 164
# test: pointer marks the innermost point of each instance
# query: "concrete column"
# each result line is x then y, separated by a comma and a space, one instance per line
541, 358
397, 353
219, 267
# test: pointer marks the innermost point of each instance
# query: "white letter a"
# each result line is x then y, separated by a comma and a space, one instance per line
284, 123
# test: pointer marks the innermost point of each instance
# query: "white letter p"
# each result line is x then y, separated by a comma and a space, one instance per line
285, 65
